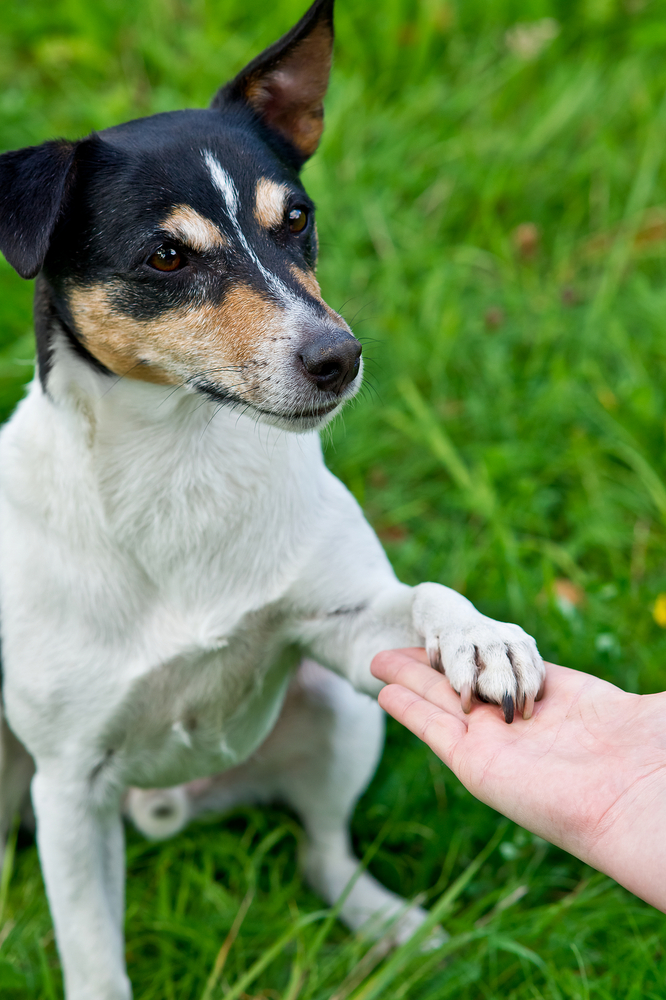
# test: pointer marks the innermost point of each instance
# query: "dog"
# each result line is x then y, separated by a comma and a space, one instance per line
171, 542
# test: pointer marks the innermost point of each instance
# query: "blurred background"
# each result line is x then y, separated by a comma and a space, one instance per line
491, 192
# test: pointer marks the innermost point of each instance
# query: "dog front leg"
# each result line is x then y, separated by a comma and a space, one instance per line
348, 606
346, 636
496, 661
81, 847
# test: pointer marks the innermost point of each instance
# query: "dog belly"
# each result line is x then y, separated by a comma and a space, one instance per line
196, 717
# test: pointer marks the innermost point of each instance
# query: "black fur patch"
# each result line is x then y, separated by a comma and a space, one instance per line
34, 184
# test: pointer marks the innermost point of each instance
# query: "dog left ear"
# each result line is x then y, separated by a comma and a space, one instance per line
286, 84
33, 187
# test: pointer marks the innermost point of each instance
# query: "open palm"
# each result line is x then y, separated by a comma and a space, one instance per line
587, 771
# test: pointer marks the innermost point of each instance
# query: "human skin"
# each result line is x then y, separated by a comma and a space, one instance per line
587, 771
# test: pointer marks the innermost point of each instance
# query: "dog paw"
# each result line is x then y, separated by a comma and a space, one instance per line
158, 812
496, 661
405, 926
397, 927
383, 916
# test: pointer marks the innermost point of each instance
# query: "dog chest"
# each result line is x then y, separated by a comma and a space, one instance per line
130, 562
201, 712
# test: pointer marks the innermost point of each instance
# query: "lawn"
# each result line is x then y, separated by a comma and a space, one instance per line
492, 212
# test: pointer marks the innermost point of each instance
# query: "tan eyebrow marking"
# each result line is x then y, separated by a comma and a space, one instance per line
198, 232
270, 202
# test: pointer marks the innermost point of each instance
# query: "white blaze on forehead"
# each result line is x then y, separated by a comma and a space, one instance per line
223, 183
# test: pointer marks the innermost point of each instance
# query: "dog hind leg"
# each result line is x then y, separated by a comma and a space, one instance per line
319, 759
332, 740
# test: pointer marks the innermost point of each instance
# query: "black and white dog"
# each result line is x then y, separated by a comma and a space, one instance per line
171, 543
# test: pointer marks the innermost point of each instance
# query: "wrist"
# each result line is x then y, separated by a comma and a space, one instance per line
627, 842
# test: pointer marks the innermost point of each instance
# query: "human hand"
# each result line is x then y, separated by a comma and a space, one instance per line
587, 772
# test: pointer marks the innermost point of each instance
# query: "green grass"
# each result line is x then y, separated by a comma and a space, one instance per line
511, 436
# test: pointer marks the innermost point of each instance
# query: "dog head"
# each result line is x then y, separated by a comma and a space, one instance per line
180, 249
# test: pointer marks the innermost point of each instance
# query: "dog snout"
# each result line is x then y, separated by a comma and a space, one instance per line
331, 359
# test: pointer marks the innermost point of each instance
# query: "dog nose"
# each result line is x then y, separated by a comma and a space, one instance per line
332, 360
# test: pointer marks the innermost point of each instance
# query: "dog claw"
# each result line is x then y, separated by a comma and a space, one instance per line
466, 698
435, 657
528, 706
508, 707
541, 690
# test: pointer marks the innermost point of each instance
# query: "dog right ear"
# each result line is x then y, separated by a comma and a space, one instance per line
285, 85
33, 186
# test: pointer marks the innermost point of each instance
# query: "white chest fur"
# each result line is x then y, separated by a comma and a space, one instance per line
146, 545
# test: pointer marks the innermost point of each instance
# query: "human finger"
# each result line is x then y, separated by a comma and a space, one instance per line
401, 666
386, 663
440, 729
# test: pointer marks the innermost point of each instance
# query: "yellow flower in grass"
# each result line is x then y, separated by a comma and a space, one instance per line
659, 610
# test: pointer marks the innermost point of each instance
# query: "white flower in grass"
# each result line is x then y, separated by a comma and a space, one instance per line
528, 39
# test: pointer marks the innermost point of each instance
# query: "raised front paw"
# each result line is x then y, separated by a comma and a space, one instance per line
496, 661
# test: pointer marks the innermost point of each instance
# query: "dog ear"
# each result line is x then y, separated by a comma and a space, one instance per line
285, 85
33, 185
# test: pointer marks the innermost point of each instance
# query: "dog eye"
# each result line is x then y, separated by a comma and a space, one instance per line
166, 258
298, 220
